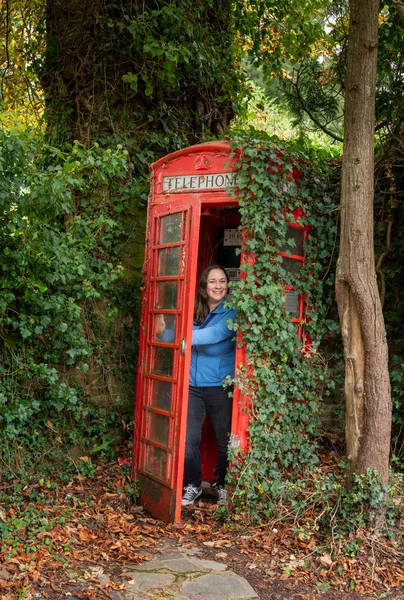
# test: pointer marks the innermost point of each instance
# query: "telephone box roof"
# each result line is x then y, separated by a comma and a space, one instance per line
217, 146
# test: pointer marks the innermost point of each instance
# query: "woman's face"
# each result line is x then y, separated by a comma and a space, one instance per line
216, 287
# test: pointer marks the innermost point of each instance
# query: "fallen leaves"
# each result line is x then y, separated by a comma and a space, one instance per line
90, 525
87, 521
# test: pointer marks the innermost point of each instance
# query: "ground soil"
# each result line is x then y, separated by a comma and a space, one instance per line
63, 583
269, 588
258, 569
92, 524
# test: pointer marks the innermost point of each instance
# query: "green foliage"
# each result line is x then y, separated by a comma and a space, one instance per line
163, 76
156, 79
389, 239
313, 95
389, 98
358, 503
262, 111
21, 30
58, 269
183, 69
313, 81
286, 378
26, 523
178, 48
311, 86
280, 476
274, 31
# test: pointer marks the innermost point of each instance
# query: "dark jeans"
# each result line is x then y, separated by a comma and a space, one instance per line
215, 402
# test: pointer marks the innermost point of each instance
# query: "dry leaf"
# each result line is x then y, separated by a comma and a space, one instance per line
5, 575
114, 586
85, 534
326, 560
35, 576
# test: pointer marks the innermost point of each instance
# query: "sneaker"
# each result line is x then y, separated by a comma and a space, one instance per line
191, 493
221, 495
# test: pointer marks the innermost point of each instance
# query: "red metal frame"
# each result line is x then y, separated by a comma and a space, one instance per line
173, 190
161, 486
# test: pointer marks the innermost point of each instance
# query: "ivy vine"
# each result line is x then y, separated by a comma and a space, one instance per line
59, 267
287, 378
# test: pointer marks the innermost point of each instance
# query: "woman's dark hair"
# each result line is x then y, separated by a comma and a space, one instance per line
201, 298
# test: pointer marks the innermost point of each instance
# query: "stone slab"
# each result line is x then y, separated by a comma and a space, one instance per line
178, 564
219, 587
149, 565
193, 551
183, 565
147, 581
114, 595
209, 565
171, 555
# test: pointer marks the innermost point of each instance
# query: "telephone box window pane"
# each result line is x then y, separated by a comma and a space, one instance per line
164, 328
170, 229
163, 361
293, 233
156, 461
169, 259
292, 303
161, 394
158, 428
291, 266
167, 294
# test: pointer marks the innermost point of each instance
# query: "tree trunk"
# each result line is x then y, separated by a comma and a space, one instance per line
151, 76
93, 44
367, 385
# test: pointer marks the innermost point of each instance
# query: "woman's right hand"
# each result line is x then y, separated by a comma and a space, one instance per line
159, 324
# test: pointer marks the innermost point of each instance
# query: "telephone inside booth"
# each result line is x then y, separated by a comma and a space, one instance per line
193, 221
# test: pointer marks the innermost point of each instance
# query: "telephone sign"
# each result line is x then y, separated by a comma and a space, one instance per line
188, 183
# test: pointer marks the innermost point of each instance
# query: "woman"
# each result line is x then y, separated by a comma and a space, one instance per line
212, 361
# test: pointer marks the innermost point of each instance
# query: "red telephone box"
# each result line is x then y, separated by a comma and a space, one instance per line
192, 222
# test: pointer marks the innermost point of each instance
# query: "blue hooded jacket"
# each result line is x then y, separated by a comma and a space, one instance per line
213, 349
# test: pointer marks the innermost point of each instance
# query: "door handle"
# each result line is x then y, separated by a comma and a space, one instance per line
183, 347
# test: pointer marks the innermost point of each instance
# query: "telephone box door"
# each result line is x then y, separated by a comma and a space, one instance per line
164, 357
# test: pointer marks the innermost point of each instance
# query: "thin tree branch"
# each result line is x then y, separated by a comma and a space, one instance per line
6, 68
312, 117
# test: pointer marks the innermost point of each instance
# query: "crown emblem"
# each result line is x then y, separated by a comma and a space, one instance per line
203, 163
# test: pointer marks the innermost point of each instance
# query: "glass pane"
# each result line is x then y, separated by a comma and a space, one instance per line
158, 428
292, 303
291, 265
163, 361
161, 394
170, 229
168, 260
164, 328
293, 233
167, 294
156, 461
